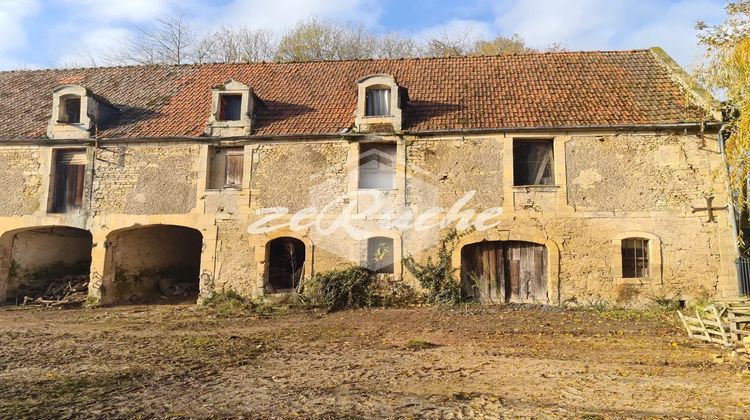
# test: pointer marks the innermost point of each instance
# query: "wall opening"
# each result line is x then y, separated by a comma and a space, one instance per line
47, 263
505, 271
152, 264
286, 264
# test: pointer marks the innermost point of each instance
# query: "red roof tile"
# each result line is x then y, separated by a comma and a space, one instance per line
507, 91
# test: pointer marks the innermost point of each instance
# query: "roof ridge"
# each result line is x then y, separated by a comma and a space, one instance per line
353, 60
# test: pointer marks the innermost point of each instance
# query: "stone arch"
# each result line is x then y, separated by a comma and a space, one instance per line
34, 258
286, 263
261, 244
152, 263
552, 254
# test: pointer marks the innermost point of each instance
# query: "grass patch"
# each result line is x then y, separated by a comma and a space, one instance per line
416, 345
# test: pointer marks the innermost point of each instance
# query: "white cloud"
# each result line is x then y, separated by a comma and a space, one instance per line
121, 10
12, 13
280, 15
613, 24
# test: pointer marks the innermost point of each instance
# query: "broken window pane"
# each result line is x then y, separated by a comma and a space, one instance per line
634, 258
230, 107
68, 178
377, 102
533, 162
380, 254
377, 166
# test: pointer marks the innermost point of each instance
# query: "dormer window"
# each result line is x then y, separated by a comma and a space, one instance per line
77, 112
379, 104
230, 107
233, 105
70, 110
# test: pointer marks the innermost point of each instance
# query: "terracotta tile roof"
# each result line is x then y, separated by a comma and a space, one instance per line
507, 91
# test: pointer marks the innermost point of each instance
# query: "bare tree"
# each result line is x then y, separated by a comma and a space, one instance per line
239, 45
394, 45
451, 43
513, 44
170, 40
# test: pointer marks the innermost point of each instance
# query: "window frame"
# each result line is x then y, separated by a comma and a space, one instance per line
387, 92
390, 267
550, 164
637, 265
221, 168
393, 158
64, 114
654, 255
236, 97
61, 181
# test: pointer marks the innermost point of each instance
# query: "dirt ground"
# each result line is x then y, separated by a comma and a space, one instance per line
510, 361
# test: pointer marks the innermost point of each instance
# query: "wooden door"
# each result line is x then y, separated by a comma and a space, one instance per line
482, 273
496, 272
526, 272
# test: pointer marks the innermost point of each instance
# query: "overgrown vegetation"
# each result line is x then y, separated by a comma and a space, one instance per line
416, 345
437, 275
345, 288
231, 304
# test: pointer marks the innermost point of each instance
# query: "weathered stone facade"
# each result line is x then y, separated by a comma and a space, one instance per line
608, 184
297, 160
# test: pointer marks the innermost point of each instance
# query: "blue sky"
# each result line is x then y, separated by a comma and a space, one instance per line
52, 33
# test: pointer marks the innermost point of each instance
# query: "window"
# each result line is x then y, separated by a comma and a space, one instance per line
634, 258
377, 166
533, 162
377, 102
70, 110
230, 107
68, 179
226, 166
380, 254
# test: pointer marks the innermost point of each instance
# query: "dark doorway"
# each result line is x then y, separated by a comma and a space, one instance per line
47, 263
505, 271
152, 264
286, 261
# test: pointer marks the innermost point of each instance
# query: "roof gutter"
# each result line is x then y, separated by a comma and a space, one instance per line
352, 135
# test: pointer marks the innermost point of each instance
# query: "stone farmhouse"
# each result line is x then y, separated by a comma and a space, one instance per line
586, 176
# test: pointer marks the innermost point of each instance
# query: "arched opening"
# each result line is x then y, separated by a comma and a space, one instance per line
49, 263
152, 264
505, 271
286, 263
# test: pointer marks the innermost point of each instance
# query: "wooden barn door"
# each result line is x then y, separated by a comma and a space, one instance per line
482, 273
526, 272
497, 272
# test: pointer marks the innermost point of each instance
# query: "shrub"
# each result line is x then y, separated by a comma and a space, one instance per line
340, 289
387, 291
437, 276
232, 304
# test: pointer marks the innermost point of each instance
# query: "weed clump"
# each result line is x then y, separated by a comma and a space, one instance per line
232, 304
346, 288
437, 276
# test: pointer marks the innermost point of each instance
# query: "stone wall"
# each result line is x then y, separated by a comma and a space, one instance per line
146, 179
21, 185
631, 172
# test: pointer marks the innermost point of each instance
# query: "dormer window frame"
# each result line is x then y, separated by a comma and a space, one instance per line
59, 128
218, 127
373, 123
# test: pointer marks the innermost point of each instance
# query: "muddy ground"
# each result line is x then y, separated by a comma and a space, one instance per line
188, 361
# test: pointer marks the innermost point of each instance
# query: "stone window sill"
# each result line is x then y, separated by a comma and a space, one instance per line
540, 188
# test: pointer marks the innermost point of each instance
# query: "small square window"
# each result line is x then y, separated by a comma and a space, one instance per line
634, 258
380, 254
377, 102
226, 168
230, 107
533, 162
377, 166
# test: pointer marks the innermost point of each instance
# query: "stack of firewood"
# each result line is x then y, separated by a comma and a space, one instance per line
65, 291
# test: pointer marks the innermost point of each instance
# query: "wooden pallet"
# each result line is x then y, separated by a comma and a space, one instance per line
727, 322
708, 325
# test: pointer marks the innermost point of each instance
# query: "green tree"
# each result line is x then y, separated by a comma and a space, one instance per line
727, 73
